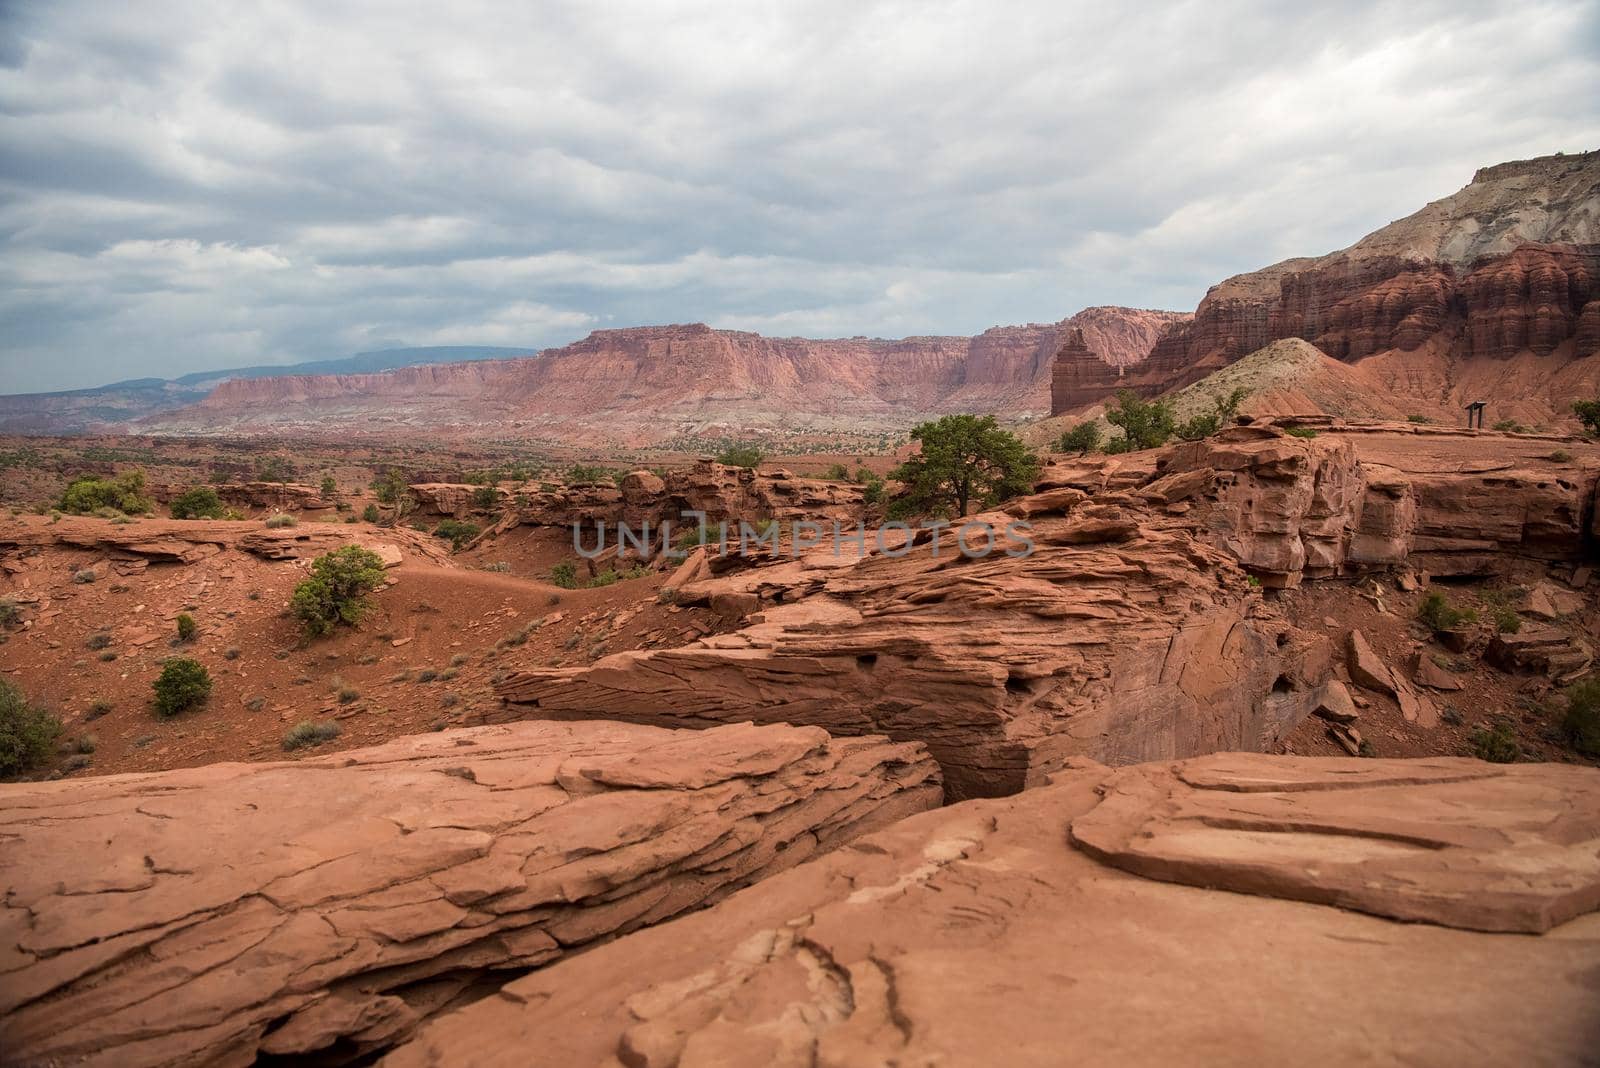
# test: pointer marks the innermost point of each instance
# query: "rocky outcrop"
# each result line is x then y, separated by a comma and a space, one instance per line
1107, 631
325, 907
176, 541
453, 499
1508, 265
1201, 889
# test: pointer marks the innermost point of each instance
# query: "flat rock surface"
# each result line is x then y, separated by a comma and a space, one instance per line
977, 934
212, 915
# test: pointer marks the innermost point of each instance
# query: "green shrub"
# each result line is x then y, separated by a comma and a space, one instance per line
1208, 423
307, 732
1580, 727
1117, 445
1588, 413
1083, 438
182, 685
1145, 425
485, 498
741, 455
1506, 620
186, 627
1510, 426
329, 487
837, 473
579, 474
337, 590
371, 514
98, 640
28, 733
1301, 432
282, 519
605, 578
392, 486
125, 493
201, 502
8, 611
456, 532
1418, 419
1497, 744
1560, 456
565, 575
349, 694
1439, 615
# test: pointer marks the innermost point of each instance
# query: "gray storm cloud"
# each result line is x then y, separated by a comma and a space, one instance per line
192, 186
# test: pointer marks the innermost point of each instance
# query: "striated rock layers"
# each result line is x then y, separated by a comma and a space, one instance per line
1152, 915
1376, 497
647, 383
1121, 636
222, 914
1508, 265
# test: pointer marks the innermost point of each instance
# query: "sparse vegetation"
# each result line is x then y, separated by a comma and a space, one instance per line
1083, 438
201, 502
1145, 425
281, 520
85, 577
1560, 456
336, 592
1510, 426
965, 459
231, 653
1301, 432
8, 611
1497, 744
349, 695
308, 733
186, 627
485, 497
1439, 615
98, 640
565, 575
28, 732
329, 487
742, 455
1588, 413
124, 493
1580, 727
370, 514
98, 708
1506, 619
1224, 408
581, 474
456, 532
183, 684
1419, 419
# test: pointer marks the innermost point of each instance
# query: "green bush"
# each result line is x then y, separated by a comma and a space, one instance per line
456, 532
125, 493
1301, 432
371, 514
1439, 615
1506, 620
329, 487
485, 498
8, 611
27, 733
1497, 744
1588, 413
1581, 725
98, 640
1208, 423
201, 502
837, 473
579, 474
565, 575
1083, 438
1510, 426
741, 455
282, 519
186, 627
1145, 425
182, 685
391, 486
307, 732
1420, 419
337, 590
964, 460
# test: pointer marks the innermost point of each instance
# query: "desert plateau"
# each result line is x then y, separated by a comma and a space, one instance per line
697, 536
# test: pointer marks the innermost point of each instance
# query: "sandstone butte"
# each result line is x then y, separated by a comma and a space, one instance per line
655, 379
1172, 913
225, 913
1131, 632
1492, 293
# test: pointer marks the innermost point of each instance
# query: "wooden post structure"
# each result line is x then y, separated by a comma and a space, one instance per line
1475, 409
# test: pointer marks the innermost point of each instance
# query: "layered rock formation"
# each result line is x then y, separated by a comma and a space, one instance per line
1507, 266
1152, 915
323, 908
1107, 630
649, 383
1362, 497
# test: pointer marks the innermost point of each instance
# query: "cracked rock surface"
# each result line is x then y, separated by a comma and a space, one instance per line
326, 906
979, 934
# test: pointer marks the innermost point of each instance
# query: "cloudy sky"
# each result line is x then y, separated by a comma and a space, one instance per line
187, 186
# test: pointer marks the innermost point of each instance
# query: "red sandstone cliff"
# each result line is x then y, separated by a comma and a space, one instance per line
1510, 265
655, 381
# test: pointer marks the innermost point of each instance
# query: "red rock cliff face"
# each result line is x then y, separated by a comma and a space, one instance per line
1099, 350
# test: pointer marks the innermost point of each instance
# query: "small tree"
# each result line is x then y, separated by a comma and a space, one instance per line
275, 469
741, 455
201, 502
964, 458
837, 473
329, 487
371, 514
186, 627
456, 532
485, 498
182, 685
1207, 423
391, 486
337, 590
1588, 413
1581, 724
1083, 438
28, 733
124, 493
1145, 425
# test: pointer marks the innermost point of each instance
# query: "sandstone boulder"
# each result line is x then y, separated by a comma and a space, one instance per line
324, 907
1366, 667
1155, 915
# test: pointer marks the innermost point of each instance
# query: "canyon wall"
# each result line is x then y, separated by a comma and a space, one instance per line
1508, 265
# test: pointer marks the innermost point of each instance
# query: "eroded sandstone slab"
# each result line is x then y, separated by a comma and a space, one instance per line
213, 915
978, 934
